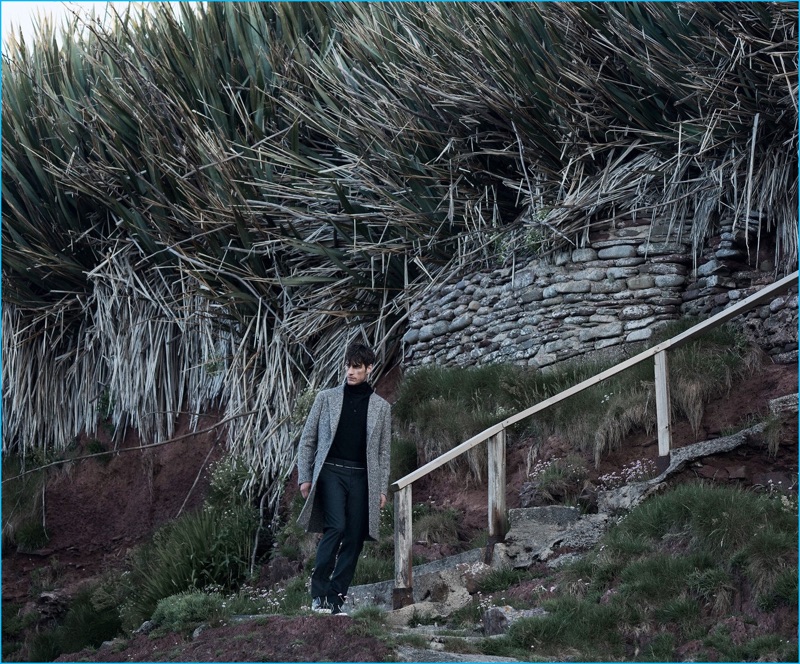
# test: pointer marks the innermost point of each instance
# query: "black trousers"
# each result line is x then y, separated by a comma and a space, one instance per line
343, 493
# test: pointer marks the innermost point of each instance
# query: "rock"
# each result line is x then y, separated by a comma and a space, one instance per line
781, 405
639, 335
624, 498
641, 282
712, 267
146, 627
459, 324
52, 605
619, 251
600, 332
426, 333
583, 255
535, 531
669, 280
199, 630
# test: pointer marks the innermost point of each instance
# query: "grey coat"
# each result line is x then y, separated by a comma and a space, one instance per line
316, 441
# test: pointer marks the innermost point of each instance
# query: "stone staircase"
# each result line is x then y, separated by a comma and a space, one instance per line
536, 534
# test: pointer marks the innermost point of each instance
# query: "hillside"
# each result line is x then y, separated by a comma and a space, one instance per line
142, 490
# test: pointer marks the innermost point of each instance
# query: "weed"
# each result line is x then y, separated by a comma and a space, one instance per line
503, 578
440, 527
683, 611
94, 446
228, 476
660, 576
83, 626
403, 458
43, 646
638, 470
417, 619
660, 648
87, 626
371, 570
46, 578
715, 586
22, 504
783, 591
31, 535
559, 477
368, 621
570, 623
413, 640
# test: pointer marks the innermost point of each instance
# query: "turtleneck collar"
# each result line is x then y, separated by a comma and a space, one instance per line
362, 389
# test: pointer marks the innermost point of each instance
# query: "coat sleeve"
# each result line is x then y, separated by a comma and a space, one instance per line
385, 448
307, 451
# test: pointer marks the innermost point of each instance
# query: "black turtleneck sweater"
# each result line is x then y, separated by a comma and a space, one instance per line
350, 441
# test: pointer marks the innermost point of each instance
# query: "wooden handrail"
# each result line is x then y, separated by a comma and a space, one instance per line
402, 487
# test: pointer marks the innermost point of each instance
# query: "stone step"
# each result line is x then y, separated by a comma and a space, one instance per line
380, 594
409, 654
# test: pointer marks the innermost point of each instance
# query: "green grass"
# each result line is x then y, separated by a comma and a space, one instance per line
597, 419
503, 578
666, 575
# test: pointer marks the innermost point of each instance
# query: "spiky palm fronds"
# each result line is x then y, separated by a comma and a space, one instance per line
200, 210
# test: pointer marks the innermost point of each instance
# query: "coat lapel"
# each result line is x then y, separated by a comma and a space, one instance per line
370, 417
335, 406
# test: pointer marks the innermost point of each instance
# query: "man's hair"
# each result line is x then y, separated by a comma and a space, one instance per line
358, 354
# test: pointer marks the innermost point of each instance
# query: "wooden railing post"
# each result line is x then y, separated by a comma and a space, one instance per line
402, 595
498, 520
663, 410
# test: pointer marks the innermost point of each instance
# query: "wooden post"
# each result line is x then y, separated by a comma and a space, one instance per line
663, 410
402, 595
498, 520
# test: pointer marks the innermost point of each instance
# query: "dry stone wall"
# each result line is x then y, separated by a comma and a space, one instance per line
605, 298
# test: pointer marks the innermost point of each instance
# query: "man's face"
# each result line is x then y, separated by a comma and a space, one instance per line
357, 374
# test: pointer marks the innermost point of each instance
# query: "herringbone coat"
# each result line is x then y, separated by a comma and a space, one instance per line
316, 441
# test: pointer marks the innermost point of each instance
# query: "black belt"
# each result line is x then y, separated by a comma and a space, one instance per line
344, 463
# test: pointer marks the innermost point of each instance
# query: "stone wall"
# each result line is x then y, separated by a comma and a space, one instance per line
606, 298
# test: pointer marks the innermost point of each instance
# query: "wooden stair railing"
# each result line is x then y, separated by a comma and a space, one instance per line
496, 437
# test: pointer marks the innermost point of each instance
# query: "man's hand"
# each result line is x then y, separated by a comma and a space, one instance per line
383, 500
305, 488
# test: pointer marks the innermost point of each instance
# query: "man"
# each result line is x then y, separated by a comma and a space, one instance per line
343, 472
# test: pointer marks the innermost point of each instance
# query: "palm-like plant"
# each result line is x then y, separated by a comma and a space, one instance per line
202, 208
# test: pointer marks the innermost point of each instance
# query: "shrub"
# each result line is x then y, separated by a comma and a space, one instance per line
186, 610
85, 625
228, 476
208, 547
